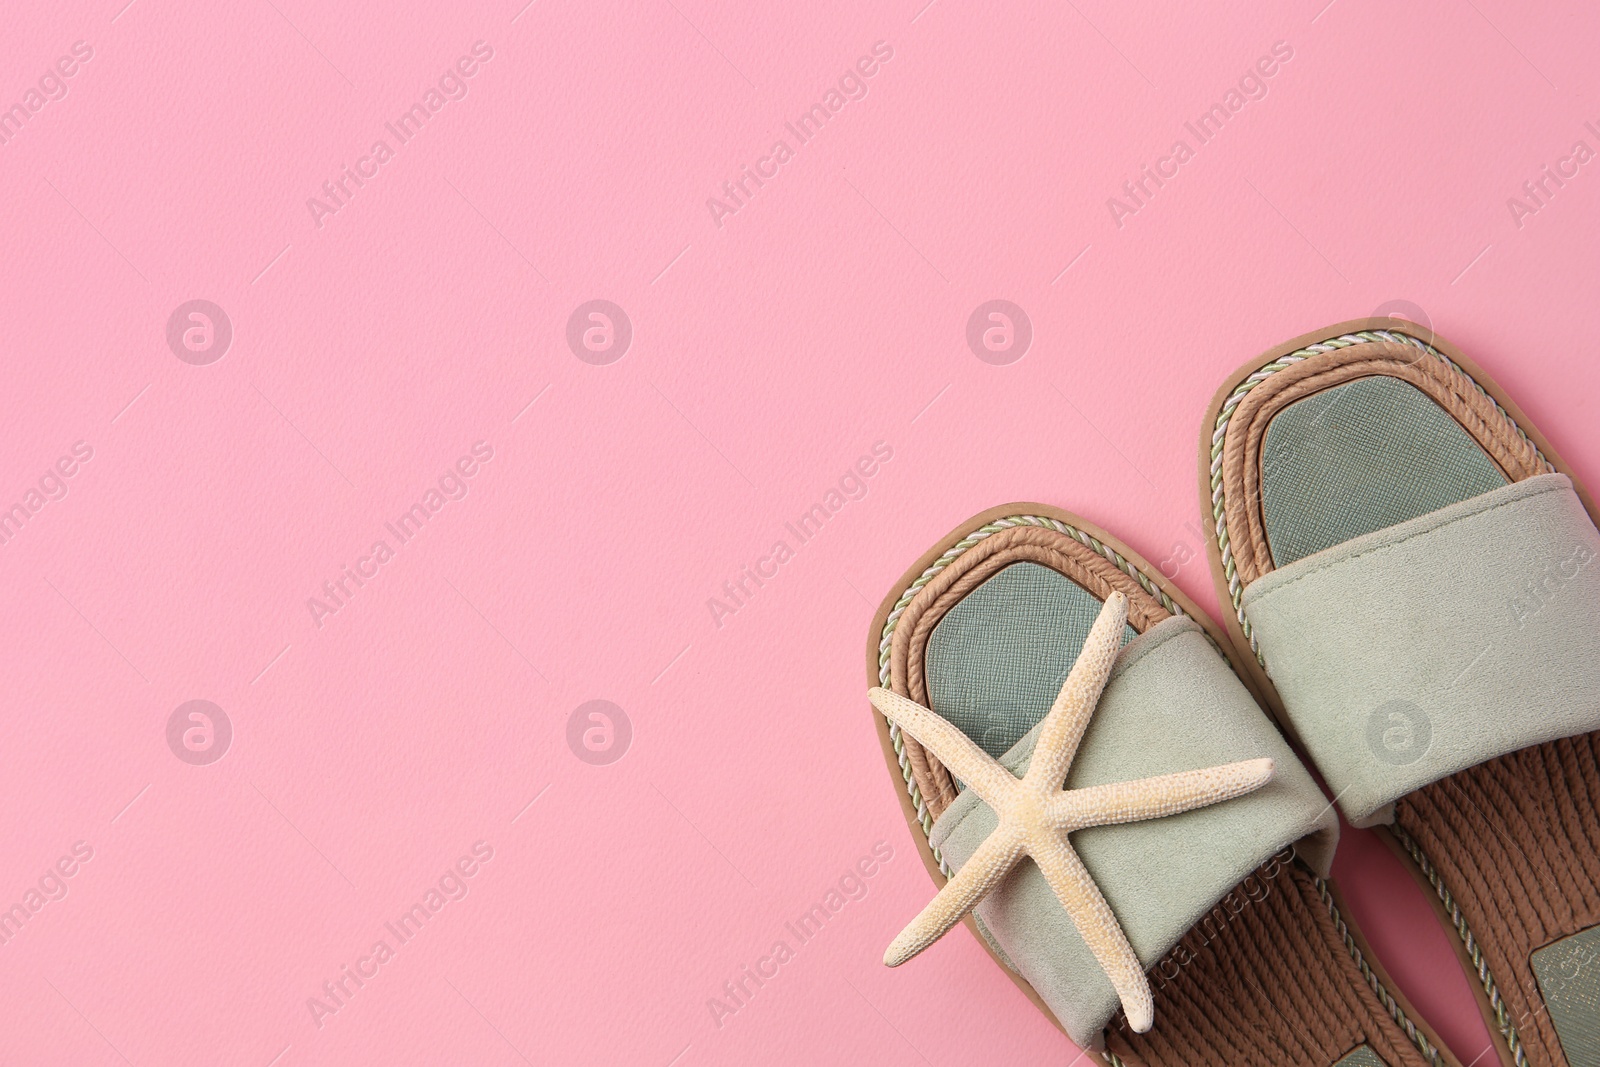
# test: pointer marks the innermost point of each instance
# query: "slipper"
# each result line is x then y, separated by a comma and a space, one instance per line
1228, 908
1409, 565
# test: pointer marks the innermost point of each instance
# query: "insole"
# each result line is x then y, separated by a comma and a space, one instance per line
1516, 841
1267, 978
1360, 457
997, 659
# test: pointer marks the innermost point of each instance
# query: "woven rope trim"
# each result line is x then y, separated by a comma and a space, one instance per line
1502, 1017
1236, 594
1418, 1038
924, 818
1225, 415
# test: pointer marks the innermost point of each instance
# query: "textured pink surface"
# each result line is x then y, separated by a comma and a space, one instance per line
377, 741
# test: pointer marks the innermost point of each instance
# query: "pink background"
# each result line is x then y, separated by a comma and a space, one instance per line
768, 353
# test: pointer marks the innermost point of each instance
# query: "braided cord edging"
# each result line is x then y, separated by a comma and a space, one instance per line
1225, 415
1502, 1017
1418, 1038
924, 817
1236, 595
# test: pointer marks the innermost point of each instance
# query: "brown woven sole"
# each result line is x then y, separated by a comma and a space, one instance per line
1275, 974
1514, 843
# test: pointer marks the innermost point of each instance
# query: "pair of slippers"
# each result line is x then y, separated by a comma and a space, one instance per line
1408, 573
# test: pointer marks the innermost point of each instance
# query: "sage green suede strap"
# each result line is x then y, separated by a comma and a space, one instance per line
1172, 704
1419, 650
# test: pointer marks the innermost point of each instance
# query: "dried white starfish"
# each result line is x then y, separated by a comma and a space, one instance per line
1037, 813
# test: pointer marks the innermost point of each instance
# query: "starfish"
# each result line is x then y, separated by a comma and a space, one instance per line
1037, 813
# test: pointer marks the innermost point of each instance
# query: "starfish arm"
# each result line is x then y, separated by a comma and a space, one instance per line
1074, 705
992, 861
1153, 798
964, 759
1075, 888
